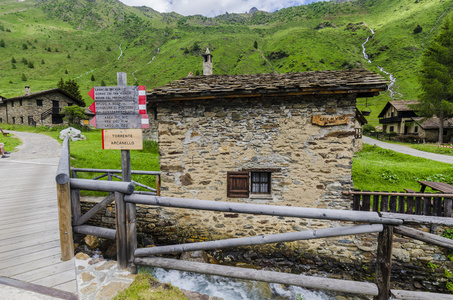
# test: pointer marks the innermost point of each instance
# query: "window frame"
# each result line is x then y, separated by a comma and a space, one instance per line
259, 180
240, 183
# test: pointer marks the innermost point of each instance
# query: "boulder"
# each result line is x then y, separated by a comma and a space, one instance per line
74, 134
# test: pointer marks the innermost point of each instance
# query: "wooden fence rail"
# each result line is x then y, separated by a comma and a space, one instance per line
427, 204
386, 224
111, 173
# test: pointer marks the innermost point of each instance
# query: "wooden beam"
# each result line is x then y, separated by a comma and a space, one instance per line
105, 233
121, 230
348, 193
417, 219
318, 283
424, 236
95, 209
384, 263
412, 295
262, 239
102, 186
63, 174
65, 224
271, 210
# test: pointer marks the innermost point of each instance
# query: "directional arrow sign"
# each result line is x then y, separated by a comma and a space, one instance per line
118, 121
109, 93
117, 107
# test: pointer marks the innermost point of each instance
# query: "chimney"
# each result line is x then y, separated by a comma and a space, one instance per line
27, 90
207, 63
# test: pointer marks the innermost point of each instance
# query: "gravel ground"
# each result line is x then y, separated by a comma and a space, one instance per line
34, 146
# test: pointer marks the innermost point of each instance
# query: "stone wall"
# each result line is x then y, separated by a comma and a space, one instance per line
199, 142
22, 109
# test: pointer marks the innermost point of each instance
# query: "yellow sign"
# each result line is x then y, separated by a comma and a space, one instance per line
330, 120
122, 139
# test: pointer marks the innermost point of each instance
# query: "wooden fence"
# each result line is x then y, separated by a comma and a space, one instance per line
427, 204
128, 255
110, 174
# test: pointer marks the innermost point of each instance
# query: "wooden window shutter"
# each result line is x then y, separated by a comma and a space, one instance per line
238, 184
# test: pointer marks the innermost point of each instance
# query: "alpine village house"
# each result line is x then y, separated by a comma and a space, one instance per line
400, 118
281, 139
38, 108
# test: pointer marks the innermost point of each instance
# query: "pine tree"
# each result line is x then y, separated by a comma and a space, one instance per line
436, 77
2, 43
92, 78
24, 78
71, 87
13, 60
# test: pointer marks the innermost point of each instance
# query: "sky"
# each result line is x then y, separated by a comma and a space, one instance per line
211, 8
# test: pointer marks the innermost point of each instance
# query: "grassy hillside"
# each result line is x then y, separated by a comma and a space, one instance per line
85, 40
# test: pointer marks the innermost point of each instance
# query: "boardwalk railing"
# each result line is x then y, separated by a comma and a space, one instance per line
110, 174
129, 255
427, 204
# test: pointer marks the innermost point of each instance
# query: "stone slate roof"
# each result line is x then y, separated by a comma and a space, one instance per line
433, 123
42, 93
400, 106
362, 82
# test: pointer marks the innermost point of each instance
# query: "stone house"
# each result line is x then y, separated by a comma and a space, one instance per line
284, 139
399, 117
39, 108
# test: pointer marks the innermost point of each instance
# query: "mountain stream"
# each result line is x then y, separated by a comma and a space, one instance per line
233, 289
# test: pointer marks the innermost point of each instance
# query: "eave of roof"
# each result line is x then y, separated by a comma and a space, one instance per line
41, 93
359, 81
401, 105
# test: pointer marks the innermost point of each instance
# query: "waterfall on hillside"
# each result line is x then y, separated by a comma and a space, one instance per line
121, 54
432, 29
392, 78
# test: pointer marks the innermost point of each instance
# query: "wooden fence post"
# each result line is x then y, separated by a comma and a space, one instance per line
65, 223
121, 241
64, 203
384, 263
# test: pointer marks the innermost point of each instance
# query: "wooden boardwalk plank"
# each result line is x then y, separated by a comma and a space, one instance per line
29, 234
35, 247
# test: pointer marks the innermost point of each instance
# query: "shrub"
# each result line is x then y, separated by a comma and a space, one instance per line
367, 128
418, 29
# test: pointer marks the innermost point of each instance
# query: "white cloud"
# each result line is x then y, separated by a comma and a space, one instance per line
212, 8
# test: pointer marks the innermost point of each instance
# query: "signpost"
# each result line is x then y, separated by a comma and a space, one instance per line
119, 107
122, 110
120, 139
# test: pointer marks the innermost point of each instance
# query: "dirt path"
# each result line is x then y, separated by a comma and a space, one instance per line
407, 150
35, 147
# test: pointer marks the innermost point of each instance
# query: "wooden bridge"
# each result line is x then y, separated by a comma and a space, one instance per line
30, 256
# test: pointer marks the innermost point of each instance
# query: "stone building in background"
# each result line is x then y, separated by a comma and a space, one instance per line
38, 108
281, 139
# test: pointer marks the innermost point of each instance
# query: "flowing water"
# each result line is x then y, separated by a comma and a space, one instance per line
392, 78
233, 289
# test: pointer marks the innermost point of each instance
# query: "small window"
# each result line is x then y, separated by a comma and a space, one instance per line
1, 120
416, 129
22, 120
392, 129
20, 102
260, 183
242, 184
39, 102
12, 103
14, 120
70, 104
